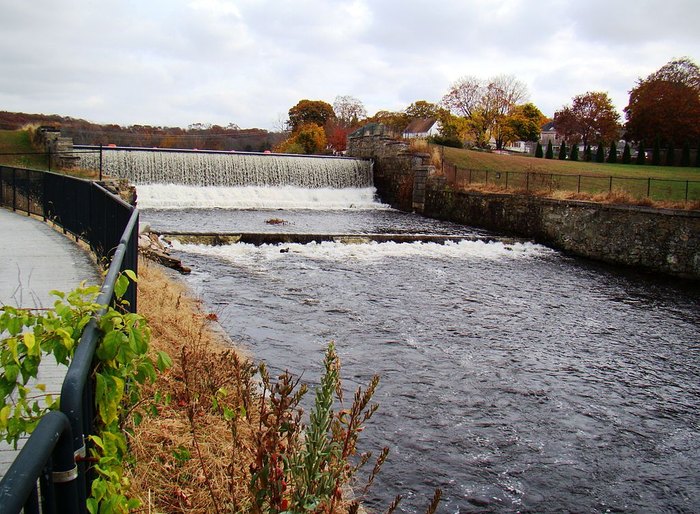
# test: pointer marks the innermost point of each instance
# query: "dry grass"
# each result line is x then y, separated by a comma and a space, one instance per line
614, 197
422, 145
168, 448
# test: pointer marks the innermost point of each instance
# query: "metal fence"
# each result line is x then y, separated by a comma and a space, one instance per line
49, 475
640, 187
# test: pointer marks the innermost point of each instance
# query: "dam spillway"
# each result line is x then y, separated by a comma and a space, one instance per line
228, 169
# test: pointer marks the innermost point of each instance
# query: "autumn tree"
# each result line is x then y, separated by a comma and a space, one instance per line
316, 112
349, 111
394, 121
308, 139
525, 122
337, 136
422, 109
485, 104
591, 116
666, 104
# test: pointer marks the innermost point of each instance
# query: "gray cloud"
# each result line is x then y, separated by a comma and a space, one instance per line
249, 61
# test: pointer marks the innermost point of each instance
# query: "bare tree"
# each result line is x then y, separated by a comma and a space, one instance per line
349, 110
485, 104
464, 96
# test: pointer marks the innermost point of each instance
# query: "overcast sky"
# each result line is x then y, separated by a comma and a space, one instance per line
175, 62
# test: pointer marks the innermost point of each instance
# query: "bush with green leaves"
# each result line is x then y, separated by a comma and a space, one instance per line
122, 366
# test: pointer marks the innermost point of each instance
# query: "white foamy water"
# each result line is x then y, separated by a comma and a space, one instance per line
247, 254
207, 168
172, 196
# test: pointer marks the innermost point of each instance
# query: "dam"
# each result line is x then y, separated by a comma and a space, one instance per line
513, 377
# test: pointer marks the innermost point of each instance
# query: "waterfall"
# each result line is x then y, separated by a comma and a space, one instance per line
229, 169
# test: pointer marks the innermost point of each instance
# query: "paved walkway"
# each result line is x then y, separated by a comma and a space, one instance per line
35, 259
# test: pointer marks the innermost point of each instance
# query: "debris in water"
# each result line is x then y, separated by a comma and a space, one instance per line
276, 221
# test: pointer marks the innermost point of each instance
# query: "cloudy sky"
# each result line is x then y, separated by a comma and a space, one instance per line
178, 62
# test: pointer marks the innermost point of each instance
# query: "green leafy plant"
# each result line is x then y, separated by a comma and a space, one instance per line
123, 365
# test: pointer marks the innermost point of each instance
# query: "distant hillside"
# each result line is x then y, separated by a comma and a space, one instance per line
203, 137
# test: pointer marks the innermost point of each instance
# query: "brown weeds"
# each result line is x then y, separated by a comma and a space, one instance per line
614, 197
223, 436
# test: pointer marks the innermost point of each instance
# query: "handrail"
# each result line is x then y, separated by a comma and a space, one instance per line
89, 211
51, 439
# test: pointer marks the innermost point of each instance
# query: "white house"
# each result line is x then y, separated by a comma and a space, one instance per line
421, 128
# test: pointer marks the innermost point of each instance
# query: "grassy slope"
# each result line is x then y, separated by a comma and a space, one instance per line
668, 183
502, 163
18, 142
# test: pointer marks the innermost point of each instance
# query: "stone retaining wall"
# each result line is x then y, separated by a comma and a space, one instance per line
662, 240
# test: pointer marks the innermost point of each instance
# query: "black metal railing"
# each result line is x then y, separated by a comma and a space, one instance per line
640, 187
49, 474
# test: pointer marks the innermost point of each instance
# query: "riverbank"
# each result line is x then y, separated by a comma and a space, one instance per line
220, 435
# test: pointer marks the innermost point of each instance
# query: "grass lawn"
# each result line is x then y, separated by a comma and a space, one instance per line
511, 171
18, 142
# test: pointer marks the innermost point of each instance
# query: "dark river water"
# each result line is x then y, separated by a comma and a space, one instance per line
514, 378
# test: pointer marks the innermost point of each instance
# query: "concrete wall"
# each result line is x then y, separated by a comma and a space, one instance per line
662, 240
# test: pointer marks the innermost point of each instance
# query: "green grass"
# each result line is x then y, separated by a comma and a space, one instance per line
18, 142
665, 183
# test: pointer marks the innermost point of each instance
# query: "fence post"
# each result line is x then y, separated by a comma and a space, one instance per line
507, 180
610, 187
100, 162
49, 152
527, 182
578, 186
686, 190
649, 187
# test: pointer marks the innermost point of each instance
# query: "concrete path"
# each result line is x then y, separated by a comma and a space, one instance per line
35, 259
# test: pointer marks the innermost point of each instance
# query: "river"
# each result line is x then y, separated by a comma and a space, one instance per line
513, 377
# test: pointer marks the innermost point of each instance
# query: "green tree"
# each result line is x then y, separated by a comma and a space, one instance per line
587, 154
685, 156
600, 153
670, 155
562, 151
612, 153
422, 109
524, 123
627, 154
656, 152
641, 154
574, 152
538, 151
549, 154
317, 112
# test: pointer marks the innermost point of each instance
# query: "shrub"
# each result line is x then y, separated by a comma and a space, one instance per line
549, 154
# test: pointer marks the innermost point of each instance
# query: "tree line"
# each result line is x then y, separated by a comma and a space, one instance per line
663, 115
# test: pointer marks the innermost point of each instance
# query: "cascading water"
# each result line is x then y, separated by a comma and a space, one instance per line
514, 378
226, 169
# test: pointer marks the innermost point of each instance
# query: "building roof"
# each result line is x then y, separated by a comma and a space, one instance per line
549, 126
419, 126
